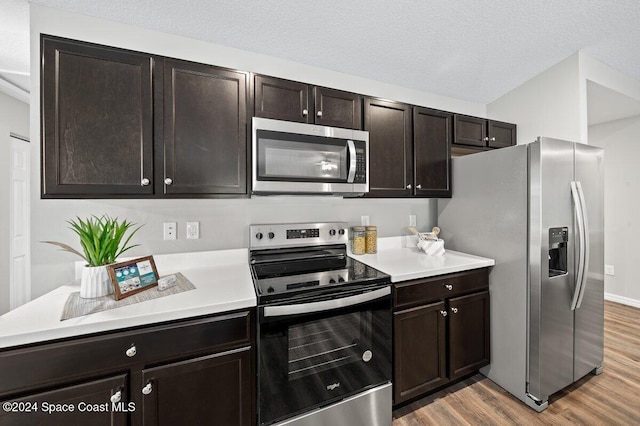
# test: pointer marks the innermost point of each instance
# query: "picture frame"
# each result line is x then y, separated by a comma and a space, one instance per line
133, 276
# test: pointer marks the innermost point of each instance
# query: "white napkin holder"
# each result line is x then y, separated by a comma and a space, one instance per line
432, 248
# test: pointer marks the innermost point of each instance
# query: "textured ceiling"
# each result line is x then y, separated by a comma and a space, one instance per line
466, 49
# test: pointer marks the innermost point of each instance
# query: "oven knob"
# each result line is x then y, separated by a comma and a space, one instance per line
341, 232
332, 281
340, 280
271, 235
259, 235
332, 232
270, 289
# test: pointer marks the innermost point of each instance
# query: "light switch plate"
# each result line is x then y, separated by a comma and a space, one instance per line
170, 230
364, 220
412, 220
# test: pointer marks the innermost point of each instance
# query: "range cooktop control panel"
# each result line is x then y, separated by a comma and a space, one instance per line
267, 236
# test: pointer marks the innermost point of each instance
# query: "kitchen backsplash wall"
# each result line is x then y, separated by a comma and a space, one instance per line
223, 224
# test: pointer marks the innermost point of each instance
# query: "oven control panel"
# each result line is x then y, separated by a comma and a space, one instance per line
279, 235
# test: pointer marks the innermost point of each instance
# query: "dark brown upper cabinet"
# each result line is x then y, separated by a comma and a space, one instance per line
205, 130
473, 134
337, 108
390, 148
432, 152
97, 121
120, 124
282, 99
292, 101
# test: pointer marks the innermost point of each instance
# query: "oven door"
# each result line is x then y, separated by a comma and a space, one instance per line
315, 353
302, 158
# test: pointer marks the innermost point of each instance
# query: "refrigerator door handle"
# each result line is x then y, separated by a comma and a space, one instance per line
585, 262
577, 203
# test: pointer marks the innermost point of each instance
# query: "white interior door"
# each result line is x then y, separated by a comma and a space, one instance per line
19, 224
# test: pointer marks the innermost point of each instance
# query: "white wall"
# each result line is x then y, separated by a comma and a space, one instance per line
14, 117
621, 142
223, 222
547, 105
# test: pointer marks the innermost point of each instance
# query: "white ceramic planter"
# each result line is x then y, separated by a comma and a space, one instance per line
95, 282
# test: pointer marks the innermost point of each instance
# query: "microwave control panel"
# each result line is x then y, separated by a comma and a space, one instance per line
361, 164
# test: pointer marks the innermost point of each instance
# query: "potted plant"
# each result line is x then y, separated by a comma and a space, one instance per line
102, 240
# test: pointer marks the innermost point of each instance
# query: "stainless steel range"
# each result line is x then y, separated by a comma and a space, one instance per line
324, 328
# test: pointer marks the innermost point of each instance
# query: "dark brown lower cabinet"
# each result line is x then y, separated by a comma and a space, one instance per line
87, 403
220, 383
440, 331
420, 350
468, 333
196, 371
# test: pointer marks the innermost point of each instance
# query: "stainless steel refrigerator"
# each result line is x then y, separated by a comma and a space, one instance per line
536, 209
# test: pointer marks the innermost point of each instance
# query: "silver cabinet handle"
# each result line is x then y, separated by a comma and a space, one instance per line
409, 186
493, 139
448, 287
116, 397
419, 186
325, 305
443, 313
319, 113
145, 182
305, 112
147, 389
131, 352
168, 181
486, 139
454, 310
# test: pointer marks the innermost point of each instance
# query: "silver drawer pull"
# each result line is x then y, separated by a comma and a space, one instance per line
448, 287
305, 112
147, 389
454, 310
131, 352
116, 397
443, 313
145, 182
168, 181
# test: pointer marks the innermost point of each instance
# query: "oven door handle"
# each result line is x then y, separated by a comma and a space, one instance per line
325, 305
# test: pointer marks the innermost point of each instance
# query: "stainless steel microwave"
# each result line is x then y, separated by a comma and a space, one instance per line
299, 158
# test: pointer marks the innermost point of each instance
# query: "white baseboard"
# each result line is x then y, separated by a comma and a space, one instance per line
621, 299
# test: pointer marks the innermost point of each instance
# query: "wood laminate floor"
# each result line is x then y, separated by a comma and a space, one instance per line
612, 398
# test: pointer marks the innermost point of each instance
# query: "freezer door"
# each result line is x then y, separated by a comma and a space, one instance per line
550, 324
589, 313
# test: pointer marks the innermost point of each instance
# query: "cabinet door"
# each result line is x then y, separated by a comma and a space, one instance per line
468, 333
210, 390
337, 108
470, 131
419, 351
501, 134
97, 121
390, 148
432, 152
282, 100
84, 404
205, 129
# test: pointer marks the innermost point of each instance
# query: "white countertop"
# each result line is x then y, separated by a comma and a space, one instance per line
400, 258
222, 280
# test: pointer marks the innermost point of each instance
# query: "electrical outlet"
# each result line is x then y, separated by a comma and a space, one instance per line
364, 220
609, 270
170, 230
412, 220
193, 230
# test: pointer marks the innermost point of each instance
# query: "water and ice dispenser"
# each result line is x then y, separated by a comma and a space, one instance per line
558, 239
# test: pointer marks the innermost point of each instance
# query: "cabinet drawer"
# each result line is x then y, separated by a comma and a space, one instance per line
416, 292
61, 362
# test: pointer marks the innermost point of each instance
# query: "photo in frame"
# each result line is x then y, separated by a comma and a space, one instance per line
133, 276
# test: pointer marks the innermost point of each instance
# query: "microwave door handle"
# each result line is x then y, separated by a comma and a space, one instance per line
352, 161
325, 305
